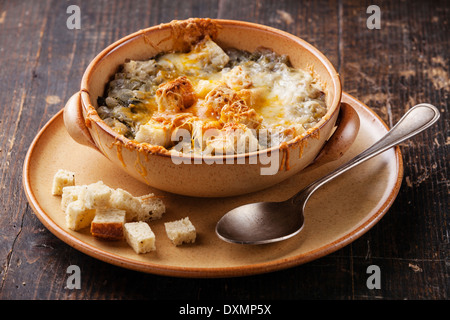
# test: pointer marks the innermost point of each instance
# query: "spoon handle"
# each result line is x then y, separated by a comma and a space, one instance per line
417, 119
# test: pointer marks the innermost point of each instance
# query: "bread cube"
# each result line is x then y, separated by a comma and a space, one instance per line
108, 224
220, 97
175, 95
220, 145
244, 139
203, 131
144, 208
140, 237
71, 194
122, 199
93, 195
151, 208
234, 138
97, 195
239, 112
154, 133
214, 55
181, 231
78, 216
62, 178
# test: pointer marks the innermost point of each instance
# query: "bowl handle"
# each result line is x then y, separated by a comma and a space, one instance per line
75, 123
342, 138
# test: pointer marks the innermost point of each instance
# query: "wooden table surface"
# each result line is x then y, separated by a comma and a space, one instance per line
390, 69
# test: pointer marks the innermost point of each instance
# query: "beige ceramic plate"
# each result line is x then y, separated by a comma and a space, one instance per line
337, 214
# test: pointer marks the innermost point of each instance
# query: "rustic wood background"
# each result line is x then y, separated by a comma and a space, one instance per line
390, 69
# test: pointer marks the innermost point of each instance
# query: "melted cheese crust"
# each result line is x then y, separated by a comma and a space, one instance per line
217, 102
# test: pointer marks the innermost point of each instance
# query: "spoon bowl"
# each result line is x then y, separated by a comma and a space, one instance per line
263, 222
266, 222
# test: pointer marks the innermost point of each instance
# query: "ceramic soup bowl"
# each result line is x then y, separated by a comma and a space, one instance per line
211, 176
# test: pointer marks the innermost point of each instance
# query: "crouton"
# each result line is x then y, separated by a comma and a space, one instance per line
175, 95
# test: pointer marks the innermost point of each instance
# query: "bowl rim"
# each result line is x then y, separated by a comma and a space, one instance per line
91, 114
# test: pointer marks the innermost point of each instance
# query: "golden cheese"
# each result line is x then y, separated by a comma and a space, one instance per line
209, 101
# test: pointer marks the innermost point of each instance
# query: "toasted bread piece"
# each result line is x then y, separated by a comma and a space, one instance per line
211, 55
62, 178
78, 216
71, 194
158, 134
181, 231
140, 237
93, 195
239, 112
122, 199
108, 224
220, 97
175, 95
151, 208
143, 208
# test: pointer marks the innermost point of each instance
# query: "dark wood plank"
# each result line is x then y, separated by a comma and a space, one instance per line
391, 69
17, 126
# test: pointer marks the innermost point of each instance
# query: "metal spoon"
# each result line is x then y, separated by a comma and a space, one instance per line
266, 222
